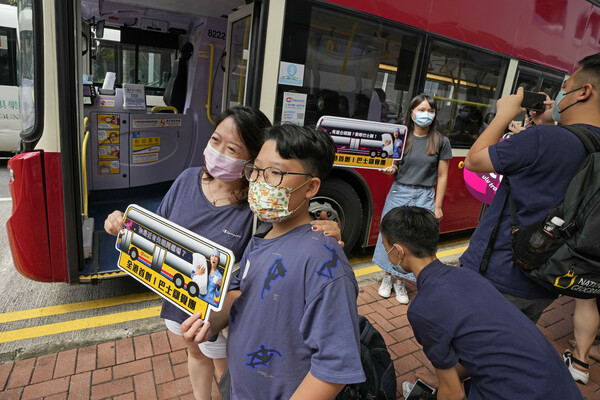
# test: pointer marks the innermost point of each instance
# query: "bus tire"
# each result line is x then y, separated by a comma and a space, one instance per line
373, 153
193, 289
178, 281
384, 154
341, 203
133, 253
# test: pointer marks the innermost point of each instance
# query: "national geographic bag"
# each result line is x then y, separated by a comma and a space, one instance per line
572, 266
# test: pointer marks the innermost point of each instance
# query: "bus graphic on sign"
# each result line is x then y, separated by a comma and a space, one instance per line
364, 144
174, 262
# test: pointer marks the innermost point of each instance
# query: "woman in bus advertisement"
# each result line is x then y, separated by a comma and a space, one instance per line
212, 202
423, 166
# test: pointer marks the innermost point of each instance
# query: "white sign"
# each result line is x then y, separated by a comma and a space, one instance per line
134, 97
293, 108
291, 74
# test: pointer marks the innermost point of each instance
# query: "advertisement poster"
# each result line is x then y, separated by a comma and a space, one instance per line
291, 74
186, 269
134, 97
108, 167
108, 152
364, 144
482, 186
145, 150
293, 108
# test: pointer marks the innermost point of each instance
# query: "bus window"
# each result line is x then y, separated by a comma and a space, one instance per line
465, 82
10, 117
536, 79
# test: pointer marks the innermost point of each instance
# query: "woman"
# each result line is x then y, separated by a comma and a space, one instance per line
426, 158
212, 202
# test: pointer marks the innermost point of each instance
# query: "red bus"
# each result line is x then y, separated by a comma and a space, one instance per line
362, 59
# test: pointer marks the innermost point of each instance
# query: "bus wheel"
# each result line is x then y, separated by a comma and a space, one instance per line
193, 289
178, 280
133, 253
383, 154
342, 204
373, 153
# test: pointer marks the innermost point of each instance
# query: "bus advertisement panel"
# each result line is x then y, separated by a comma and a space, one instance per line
364, 144
188, 270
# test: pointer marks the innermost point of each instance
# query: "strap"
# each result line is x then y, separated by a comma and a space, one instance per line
589, 139
487, 254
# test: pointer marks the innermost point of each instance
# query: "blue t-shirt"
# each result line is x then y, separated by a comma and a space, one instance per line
185, 204
297, 313
458, 316
539, 162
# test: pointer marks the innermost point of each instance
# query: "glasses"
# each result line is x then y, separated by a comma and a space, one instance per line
272, 176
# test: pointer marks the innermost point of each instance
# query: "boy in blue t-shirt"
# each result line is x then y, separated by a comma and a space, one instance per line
293, 321
466, 327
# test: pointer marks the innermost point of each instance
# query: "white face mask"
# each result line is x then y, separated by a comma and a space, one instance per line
397, 266
221, 166
270, 204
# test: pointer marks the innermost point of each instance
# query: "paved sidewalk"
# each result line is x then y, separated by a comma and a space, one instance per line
153, 366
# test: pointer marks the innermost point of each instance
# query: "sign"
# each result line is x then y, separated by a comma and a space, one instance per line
145, 150
364, 144
184, 268
139, 123
134, 97
291, 74
293, 108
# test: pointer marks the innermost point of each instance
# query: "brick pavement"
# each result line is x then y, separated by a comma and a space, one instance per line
153, 366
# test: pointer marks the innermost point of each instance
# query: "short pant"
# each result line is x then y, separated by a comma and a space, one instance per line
216, 349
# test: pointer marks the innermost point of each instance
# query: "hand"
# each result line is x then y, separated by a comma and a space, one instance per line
201, 270
510, 106
114, 223
329, 228
194, 330
391, 170
439, 214
219, 283
515, 127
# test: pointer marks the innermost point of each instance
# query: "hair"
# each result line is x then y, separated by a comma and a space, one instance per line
590, 71
313, 148
414, 227
250, 125
434, 138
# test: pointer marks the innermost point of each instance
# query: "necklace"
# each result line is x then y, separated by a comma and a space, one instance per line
214, 200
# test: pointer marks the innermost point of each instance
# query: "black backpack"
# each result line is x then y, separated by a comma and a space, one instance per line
566, 261
378, 367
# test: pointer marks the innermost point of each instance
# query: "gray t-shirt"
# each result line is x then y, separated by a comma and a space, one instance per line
419, 168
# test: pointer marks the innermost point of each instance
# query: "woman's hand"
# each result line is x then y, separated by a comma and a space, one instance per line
114, 223
329, 228
439, 214
391, 170
194, 330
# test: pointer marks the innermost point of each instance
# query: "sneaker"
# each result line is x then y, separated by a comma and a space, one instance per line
407, 387
577, 374
401, 293
385, 289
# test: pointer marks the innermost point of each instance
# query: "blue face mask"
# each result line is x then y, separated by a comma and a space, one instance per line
423, 119
559, 97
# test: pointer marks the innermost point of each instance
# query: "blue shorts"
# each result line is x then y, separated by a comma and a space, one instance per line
402, 195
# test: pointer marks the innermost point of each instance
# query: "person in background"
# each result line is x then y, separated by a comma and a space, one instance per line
424, 165
539, 163
212, 202
291, 310
466, 327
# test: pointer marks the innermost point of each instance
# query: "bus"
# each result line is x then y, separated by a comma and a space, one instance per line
10, 105
343, 58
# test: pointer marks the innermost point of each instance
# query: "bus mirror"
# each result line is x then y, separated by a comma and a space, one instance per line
100, 29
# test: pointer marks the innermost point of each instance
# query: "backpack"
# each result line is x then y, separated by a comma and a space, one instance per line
377, 365
566, 261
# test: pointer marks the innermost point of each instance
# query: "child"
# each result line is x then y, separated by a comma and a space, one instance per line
458, 315
293, 325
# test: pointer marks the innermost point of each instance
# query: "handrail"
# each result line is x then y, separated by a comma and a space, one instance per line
84, 166
210, 78
163, 108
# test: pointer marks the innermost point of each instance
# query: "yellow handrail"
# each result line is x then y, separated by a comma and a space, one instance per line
161, 108
210, 77
84, 166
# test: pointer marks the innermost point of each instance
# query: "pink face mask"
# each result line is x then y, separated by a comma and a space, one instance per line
222, 166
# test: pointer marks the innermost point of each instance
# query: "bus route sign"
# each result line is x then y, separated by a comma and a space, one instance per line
187, 269
364, 144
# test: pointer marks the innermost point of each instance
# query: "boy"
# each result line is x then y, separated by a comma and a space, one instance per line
459, 317
293, 325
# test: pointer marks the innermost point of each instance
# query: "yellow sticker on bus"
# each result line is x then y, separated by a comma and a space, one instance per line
186, 269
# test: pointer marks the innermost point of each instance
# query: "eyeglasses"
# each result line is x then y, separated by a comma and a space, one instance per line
272, 176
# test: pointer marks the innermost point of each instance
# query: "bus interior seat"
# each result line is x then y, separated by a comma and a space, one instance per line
175, 91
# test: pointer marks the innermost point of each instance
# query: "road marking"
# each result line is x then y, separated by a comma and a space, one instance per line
74, 307
98, 321
5, 198
84, 323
